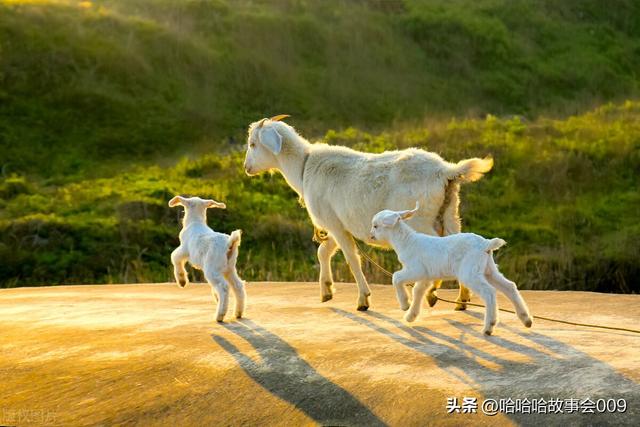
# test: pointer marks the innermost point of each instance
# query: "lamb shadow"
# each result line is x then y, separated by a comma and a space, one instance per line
283, 373
559, 372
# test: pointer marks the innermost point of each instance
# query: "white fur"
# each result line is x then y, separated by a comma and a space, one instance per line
466, 257
342, 189
212, 252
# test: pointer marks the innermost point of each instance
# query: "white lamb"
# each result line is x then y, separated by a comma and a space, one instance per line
212, 252
466, 257
343, 188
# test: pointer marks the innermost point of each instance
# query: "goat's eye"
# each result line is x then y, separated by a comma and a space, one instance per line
375, 226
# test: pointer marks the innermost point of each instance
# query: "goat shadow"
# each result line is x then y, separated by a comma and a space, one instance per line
559, 372
283, 373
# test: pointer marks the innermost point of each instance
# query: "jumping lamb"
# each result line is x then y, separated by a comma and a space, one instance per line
212, 252
466, 257
343, 188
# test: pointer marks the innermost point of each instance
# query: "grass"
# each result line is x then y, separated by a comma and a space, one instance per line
84, 82
563, 193
110, 107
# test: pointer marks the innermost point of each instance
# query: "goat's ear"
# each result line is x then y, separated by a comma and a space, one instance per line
214, 204
271, 139
390, 220
176, 201
408, 214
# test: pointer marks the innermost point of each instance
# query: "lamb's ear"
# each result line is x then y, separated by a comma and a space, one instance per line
176, 201
271, 139
390, 220
408, 214
214, 204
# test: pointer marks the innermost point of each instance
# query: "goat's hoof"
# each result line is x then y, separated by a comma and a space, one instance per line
327, 297
460, 306
363, 307
528, 323
410, 317
220, 319
404, 307
432, 299
238, 315
182, 283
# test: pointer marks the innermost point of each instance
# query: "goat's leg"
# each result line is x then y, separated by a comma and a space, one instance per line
487, 292
326, 250
432, 298
220, 290
348, 247
178, 258
464, 295
510, 290
400, 279
237, 285
453, 226
419, 290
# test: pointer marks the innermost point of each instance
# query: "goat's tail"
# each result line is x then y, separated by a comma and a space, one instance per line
233, 245
494, 244
470, 170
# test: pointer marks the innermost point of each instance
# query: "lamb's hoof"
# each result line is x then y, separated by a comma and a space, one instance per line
363, 307
488, 332
528, 323
410, 317
238, 315
326, 298
460, 306
182, 283
220, 319
404, 307
432, 299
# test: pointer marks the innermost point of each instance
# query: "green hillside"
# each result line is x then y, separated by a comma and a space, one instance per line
109, 108
85, 81
563, 193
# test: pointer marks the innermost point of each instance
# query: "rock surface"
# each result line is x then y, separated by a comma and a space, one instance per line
153, 355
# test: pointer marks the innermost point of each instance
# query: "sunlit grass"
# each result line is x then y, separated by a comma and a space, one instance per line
563, 193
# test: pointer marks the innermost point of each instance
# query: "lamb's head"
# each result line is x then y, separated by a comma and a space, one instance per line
385, 222
263, 145
195, 208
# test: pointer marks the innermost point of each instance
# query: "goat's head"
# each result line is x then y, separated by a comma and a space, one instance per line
195, 207
263, 145
384, 222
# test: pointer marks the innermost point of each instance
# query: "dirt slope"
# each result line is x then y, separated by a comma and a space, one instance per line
153, 355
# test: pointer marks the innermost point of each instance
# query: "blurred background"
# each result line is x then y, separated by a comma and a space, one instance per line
109, 108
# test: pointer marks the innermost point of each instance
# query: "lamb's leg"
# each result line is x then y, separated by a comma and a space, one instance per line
510, 290
178, 259
238, 289
419, 290
348, 247
400, 279
326, 250
220, 290
488, 294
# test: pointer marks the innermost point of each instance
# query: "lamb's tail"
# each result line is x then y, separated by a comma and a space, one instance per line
233, 245
494, 244
470, 170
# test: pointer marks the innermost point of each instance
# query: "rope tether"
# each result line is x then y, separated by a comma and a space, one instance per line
548, 319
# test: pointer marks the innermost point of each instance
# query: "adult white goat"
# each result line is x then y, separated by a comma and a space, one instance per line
342, 189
